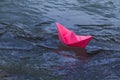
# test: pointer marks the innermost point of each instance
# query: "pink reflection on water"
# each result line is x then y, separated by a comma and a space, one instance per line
79, 59
77, 53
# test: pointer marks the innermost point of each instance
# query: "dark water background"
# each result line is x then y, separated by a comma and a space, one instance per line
30, 49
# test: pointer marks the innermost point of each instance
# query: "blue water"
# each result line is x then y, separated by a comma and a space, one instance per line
29, 45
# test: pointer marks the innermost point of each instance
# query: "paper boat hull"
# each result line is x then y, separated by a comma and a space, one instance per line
69, 38
81, 44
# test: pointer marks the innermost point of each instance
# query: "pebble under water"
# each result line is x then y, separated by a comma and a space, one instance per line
29, 45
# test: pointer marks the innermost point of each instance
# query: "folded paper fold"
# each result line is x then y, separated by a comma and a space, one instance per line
69, 38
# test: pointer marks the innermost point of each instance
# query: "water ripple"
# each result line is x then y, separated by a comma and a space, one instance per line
29, 42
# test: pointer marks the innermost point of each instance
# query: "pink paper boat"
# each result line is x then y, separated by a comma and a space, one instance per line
69, 38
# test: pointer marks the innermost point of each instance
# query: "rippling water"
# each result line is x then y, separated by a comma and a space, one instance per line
30, 49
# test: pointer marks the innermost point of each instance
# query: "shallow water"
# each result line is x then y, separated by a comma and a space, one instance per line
30, 49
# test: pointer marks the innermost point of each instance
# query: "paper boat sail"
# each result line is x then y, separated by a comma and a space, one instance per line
69, 38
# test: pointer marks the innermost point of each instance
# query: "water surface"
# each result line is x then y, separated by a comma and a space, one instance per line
29, 45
